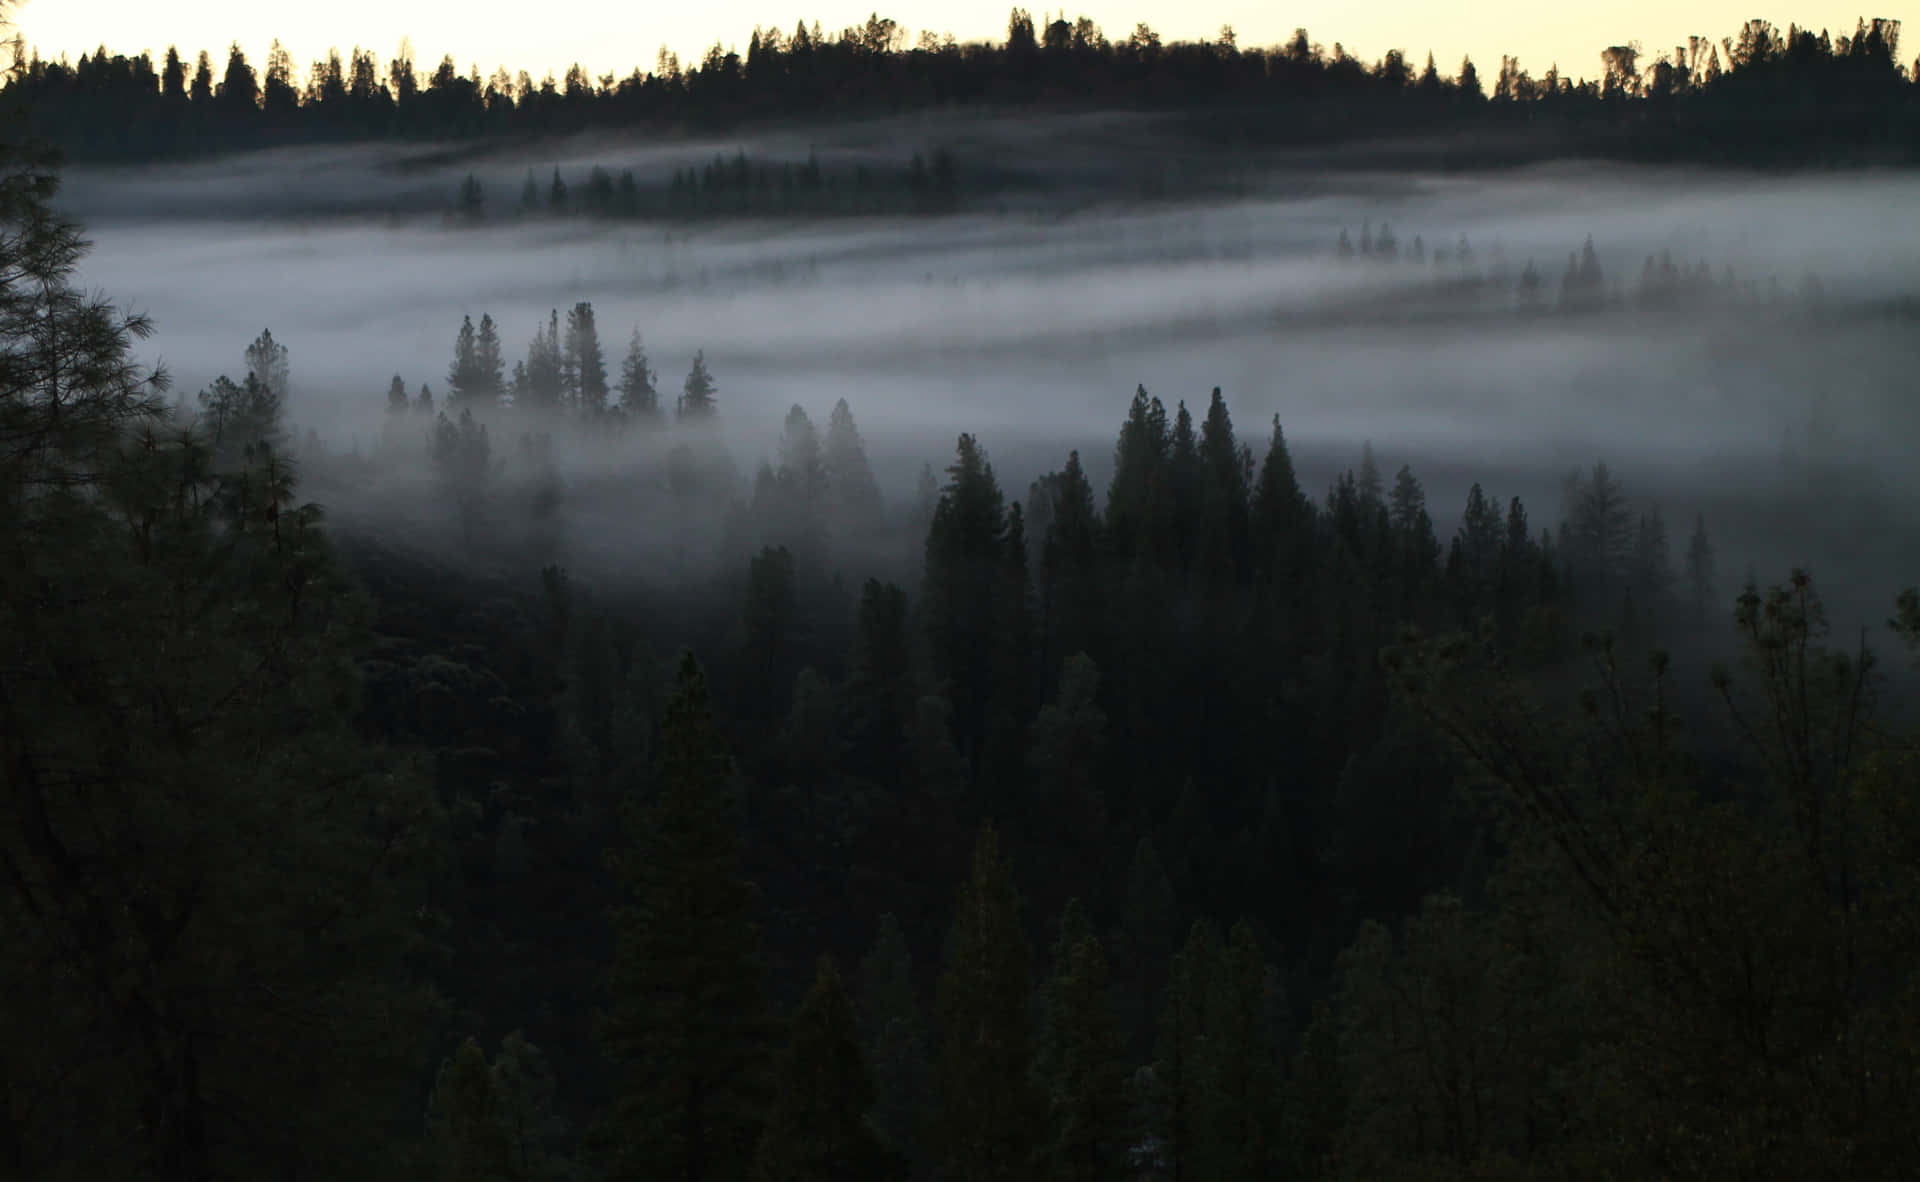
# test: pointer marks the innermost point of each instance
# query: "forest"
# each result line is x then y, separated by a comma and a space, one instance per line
522, 789
1758, 97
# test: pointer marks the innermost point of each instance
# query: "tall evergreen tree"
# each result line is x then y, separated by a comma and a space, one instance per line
686, 1026
817, 1126
1225, 555
853, 493
989, 1116
463, 376
586, 363
1080, 1065
639, 395
697, 393
1070, 591
267, 364
1138, 458
489, 367
960, 589
463, 462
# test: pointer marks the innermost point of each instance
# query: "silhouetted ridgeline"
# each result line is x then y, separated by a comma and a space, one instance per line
1758, 96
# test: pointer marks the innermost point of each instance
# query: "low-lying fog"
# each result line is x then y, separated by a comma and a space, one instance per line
1029, 321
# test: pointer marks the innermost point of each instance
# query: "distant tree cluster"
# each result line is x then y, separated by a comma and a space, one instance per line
731, 187
1760, 95
1661, 286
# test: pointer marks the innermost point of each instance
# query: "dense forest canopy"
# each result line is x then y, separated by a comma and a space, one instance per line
1170, 817
1760, 94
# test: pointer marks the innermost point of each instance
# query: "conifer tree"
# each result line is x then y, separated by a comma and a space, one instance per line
989, 1117
489, 367
397, 401
697, 393
1177, 511
1012, 676
1071, 595
586, 365
463, 376
267, 364
1225, 556
960, 588
817, 1126
529, 194
463, 462
639, 395
1284, 529
423, 405
1080, 1063
802, 473
686, 1026
1179, 1069
1138, 458
540, 385
557, 193
854, 494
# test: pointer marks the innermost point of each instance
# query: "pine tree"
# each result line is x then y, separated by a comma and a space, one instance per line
397, 401
960, 587
489, 367
639, 395
1179, 1068
540, 385
586, 364
802, 473
1080, 1065
817, 1126
463, 462
267, 364
988, 1113
529, 194
463, 376
472, 201
1011, 673
1225, 554
697, 394
853, 493
1138, 459
1071, 595
1417, 548
557, 193
686, 1025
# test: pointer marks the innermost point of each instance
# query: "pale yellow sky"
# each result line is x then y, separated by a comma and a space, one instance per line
611, 36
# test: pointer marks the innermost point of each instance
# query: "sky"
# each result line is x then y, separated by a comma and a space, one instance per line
610, 36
